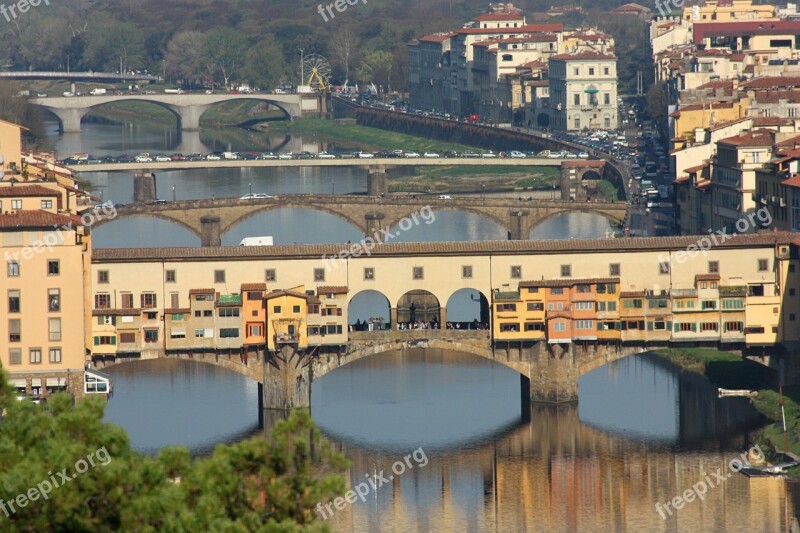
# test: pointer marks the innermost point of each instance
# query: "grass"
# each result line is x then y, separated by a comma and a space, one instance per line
608, 190
729, 370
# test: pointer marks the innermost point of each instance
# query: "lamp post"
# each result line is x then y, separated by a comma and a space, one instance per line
483, 188
251, 189
302, 68
173, 193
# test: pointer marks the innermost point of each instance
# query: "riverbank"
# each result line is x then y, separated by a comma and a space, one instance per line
731, 371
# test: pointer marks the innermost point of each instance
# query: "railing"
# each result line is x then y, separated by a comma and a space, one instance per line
419, 334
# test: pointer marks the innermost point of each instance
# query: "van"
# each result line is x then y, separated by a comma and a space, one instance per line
257, 241
444, 197
173, 91
97, 92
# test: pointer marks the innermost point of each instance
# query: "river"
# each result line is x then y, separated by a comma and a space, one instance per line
641, 434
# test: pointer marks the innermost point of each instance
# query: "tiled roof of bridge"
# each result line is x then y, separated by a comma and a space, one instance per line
209, 253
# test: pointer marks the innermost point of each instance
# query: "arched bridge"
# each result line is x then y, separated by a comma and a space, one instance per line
210, 219
547, 373
188, 108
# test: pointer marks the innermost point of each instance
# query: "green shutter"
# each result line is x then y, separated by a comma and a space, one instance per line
113, 340
97, 341
649, 325
694, 326
677, 327
669, 325
113, 320
100, 320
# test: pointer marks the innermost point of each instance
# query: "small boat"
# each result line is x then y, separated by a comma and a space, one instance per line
737, 392
769, 469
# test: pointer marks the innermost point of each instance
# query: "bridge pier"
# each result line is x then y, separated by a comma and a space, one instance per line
374, 224
287, 382
189, 116
210, 231
144, 187
70, 118
377, 183
518, 225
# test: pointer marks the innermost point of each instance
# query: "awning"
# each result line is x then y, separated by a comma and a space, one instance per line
591, 90
56, 382
36, 382
18, 383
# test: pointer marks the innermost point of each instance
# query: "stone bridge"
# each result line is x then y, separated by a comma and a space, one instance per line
188, 108
210, 219
548, 373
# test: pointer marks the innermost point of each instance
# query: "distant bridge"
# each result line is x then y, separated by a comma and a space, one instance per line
105, 77
188, 108
210, 219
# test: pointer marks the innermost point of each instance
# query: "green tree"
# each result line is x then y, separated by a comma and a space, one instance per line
265, 66
113, 45
376, 67
224, 50
184, 57
657, 104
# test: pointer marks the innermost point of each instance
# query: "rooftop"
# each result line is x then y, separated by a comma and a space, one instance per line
36, 219
26, 190
583, 56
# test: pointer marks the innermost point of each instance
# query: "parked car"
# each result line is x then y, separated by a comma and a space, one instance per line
431, 155
194, 157
470, 153
514, 154
444, 197
583, 155
213, 157
144, 159
287, 155
365, 155
267, 155
411, 155
178, 157
325, 155
488, 154
254, 196
303, 155
161, 158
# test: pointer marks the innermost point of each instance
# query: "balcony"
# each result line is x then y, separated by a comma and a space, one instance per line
683, 293
286, 338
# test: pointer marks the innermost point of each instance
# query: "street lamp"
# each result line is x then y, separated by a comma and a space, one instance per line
333, 187
173, 193
251, 189
302, 68
483, 188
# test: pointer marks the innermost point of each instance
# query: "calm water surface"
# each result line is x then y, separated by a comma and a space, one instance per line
641, 434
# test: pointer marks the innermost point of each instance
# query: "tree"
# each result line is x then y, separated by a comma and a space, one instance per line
184, 57
115, 46
657, 104
253, 485
265, 66
343, 45
376, 67
224, 50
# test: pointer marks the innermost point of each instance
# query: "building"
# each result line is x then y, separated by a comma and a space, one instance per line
583, 91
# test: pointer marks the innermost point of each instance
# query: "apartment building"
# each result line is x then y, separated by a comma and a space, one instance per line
583, 91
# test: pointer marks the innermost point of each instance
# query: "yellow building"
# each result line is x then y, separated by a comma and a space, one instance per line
727, 11
287, 318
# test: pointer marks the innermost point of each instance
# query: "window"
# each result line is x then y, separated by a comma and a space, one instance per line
15, 356
151, 335
102, 276
584, 306
659, 325
54, 300
576, 99
566, 271
228, 311
13, 301
606, 99
47, 204
605, 71
584, 288
208, 313
255, 330
417, 273
763, 265
174, 300
591, 71
509, 327
733, 303
180, 334
369, 273
466, 272
709, 304
703, 285
253, 295
169, 276
228, 333
177, 317
54, 329
16, 204
35, 356
613, 270
13, 269
576, 71
270, 275
663, 267
276, 309
102, 300
713, 267
506, 307
632, 303
313, 309
331, 311
534, 326
559, 326
535, 306
295, 309
557, 290
151, 316
148, 300
714, 285
204, 297
577, 123
14, 330
584, 324
685, 326
219, 276
55, 355
709, 326
516, 272
733, 326
53, 267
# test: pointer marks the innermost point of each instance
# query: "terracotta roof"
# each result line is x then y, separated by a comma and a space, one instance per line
524, 28
751, 139
202, 291
539, 83
276, 294
775, 96
716, 84
331, 289
582, 56
532, 38
703, 184
433, 249
254, 286
728, 123
566, 282
707, 277
737, 57
772, 82
436, 37
771, 121
36, 219
794, 181
26, 190
631, 294
741, 29
628, 8
498, 17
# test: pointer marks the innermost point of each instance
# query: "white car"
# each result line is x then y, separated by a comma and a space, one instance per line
285, 156
411, 155
267, 155
213, 157
571, 155
163, 158
583, 155
431, 155
515, 154
325, 155
365, 155
144, 159
254, 196
444, 197
488, 154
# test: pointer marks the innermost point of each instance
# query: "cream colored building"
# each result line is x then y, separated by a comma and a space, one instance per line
728, 11
583, 91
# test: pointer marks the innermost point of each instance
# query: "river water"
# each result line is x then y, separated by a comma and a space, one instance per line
480, 461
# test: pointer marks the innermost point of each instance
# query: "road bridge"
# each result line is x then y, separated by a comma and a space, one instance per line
188, 108
210, 219
104, 77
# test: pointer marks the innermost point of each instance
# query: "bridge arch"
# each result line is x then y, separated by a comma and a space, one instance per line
341, 214
367, 304
102, 221
579, 208
162, 105
249, 367
419, 305
468, 307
